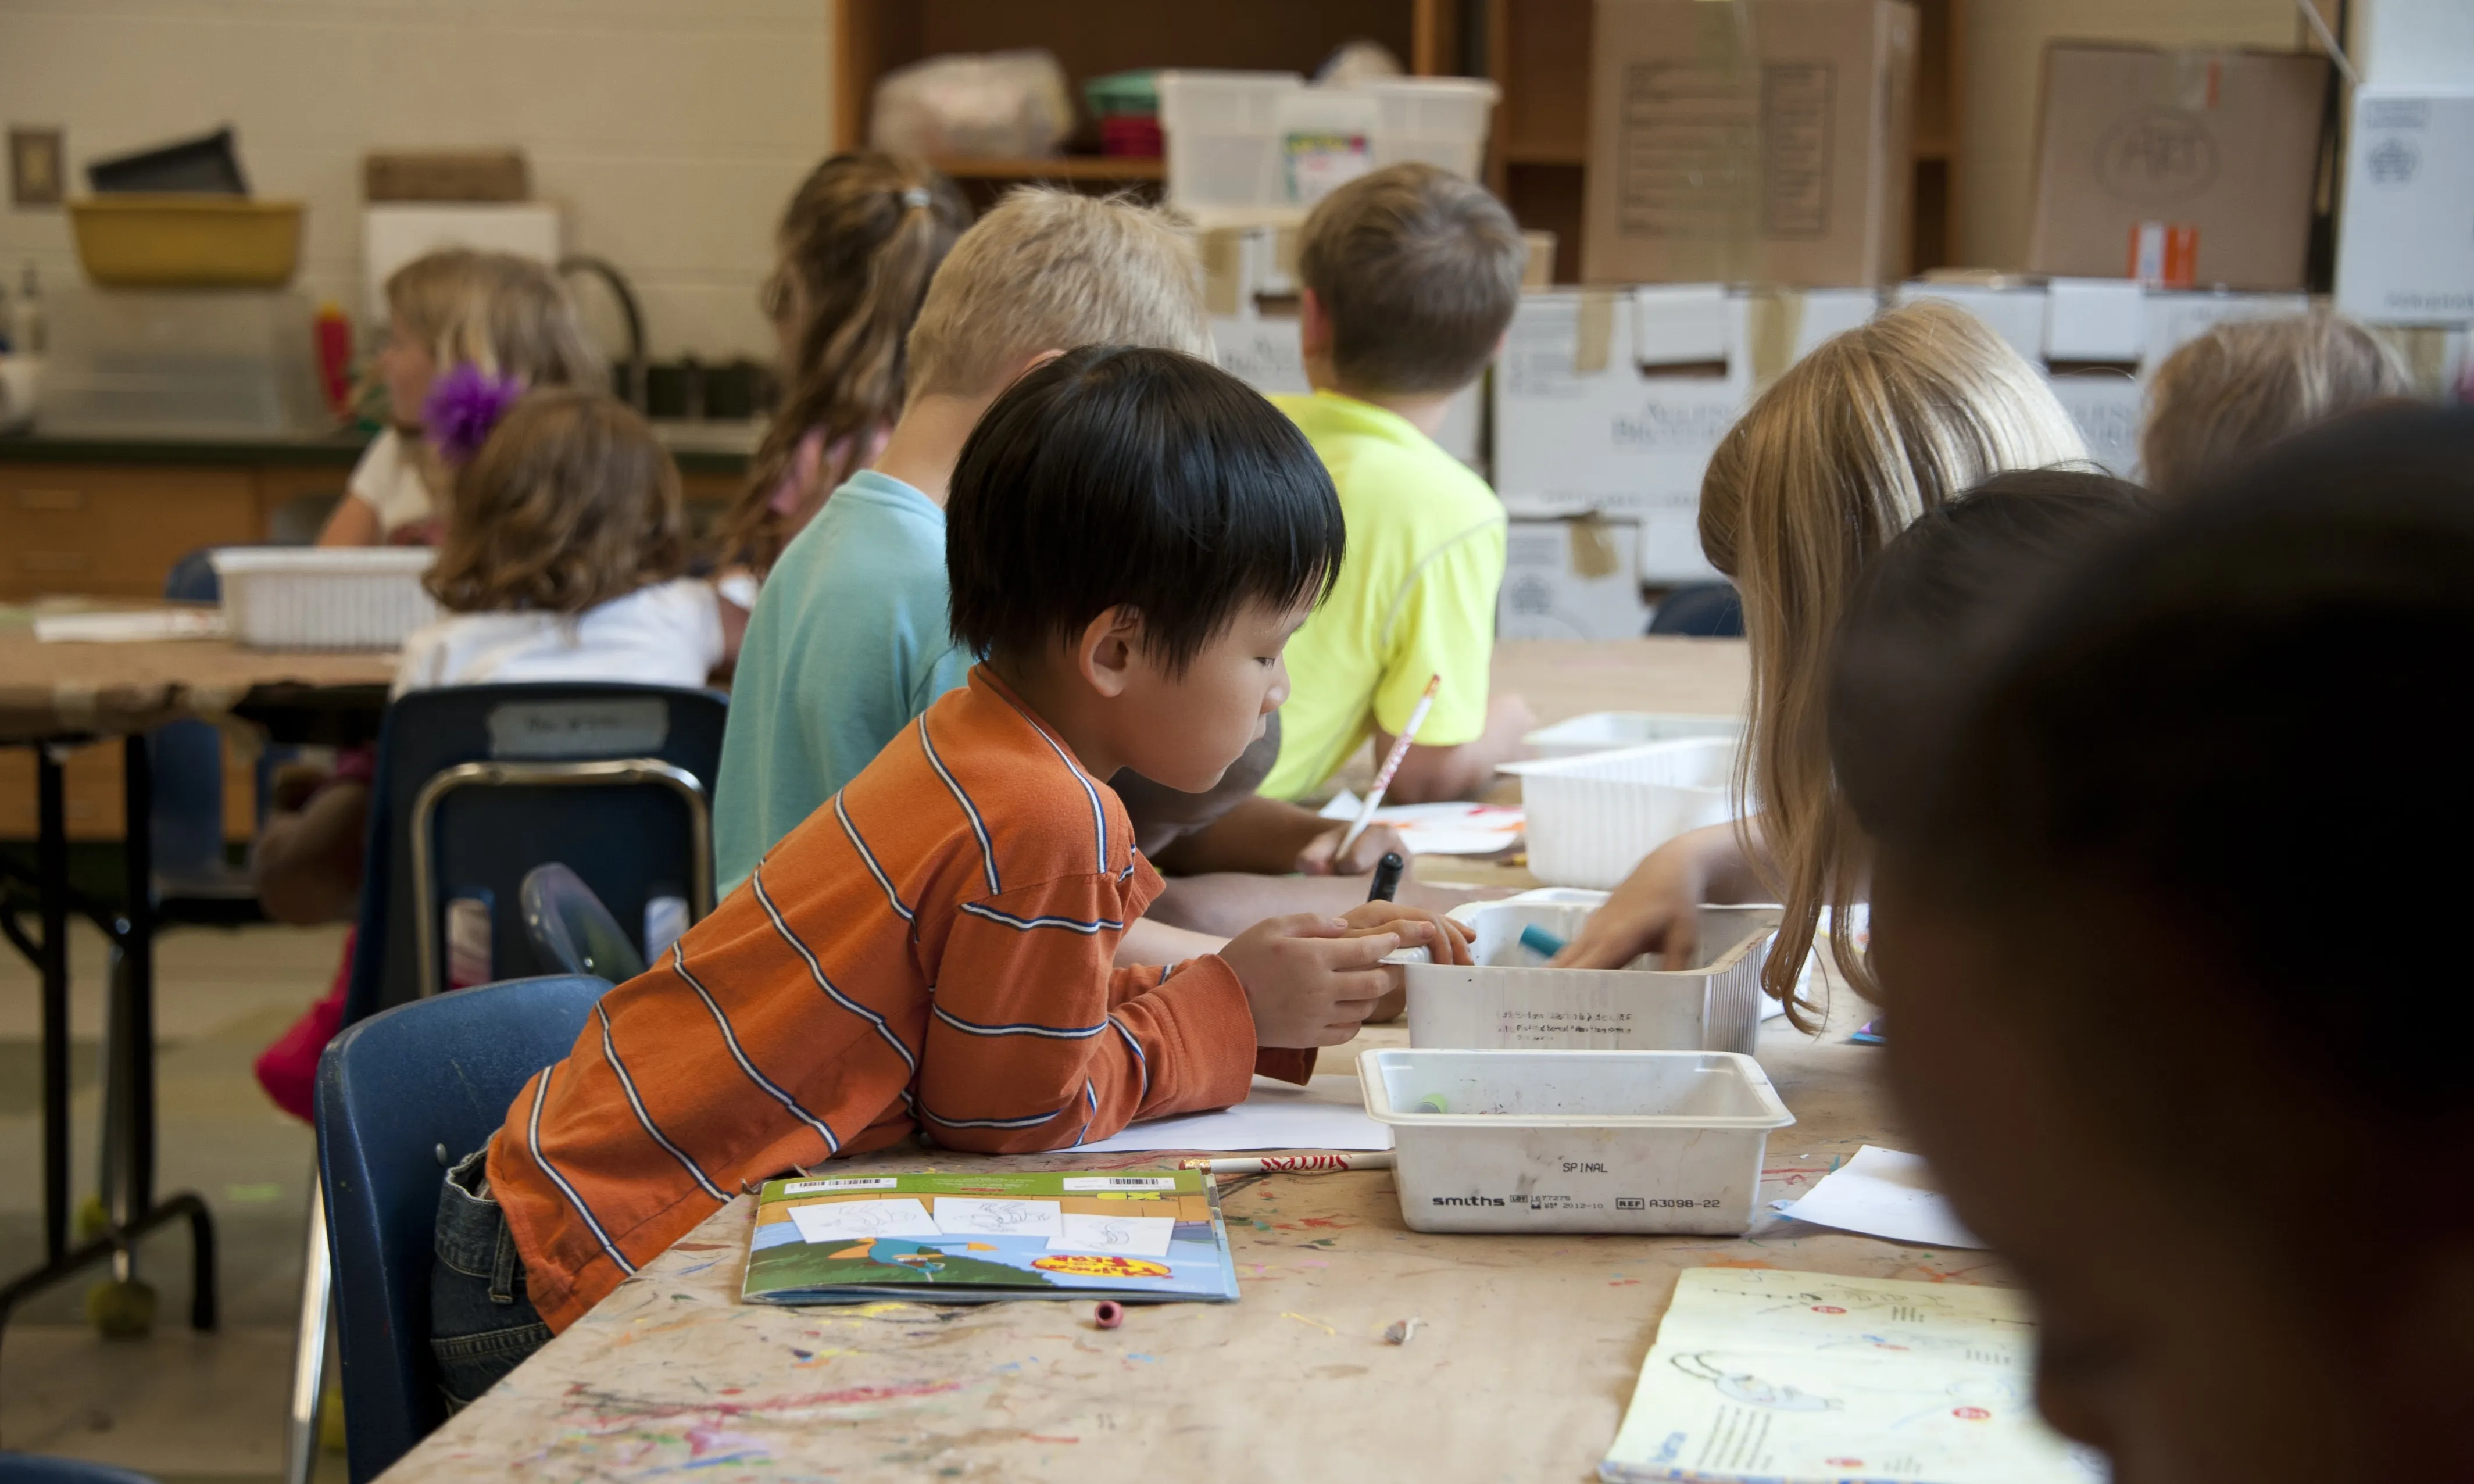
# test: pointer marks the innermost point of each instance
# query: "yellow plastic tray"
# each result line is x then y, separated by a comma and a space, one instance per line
188, 241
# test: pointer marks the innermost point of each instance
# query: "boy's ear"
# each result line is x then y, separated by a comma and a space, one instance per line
1109, 646
1025, 367
1314, 325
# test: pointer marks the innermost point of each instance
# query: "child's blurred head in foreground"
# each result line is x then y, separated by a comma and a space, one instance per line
1132, 538
2156, 937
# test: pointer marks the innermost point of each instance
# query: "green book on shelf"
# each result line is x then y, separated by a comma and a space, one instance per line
1132, 1235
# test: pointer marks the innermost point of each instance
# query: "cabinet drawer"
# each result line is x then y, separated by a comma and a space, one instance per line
92, 793
113, 532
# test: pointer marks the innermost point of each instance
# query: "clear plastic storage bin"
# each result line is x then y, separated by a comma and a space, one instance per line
325, 597
1606, 1141
1591, 819
198, 362
1509, 998
1229, 136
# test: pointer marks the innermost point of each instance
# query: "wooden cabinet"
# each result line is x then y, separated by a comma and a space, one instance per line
113, 532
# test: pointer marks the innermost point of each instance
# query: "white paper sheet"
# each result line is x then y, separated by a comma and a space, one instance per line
1760, 1373
1123, 1236
842, 1220
1441, 829
130, 629
1328, 1112
972, 1216
1883, 1193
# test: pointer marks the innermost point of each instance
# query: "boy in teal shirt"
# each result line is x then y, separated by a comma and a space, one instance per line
848, 639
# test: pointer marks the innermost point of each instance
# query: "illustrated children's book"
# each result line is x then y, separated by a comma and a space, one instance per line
1760, 1374
1134, 1236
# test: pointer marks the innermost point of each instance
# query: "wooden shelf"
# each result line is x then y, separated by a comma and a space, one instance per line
1056, 168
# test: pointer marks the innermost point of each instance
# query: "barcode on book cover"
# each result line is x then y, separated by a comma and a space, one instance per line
1121, 1183
817, 1187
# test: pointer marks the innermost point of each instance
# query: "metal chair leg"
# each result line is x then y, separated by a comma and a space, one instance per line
309, 1346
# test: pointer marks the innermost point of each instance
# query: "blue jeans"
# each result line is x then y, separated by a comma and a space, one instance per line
481, 1326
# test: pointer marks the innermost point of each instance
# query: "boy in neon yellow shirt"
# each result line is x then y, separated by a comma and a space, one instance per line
1410, 277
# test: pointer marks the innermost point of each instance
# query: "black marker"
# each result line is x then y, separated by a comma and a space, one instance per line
1387, 877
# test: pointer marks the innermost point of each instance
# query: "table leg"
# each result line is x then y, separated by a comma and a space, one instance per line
51, 884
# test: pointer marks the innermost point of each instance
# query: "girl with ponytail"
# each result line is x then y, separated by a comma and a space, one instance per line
858, 243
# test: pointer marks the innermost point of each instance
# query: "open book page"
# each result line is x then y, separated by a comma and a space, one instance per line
1793, 1376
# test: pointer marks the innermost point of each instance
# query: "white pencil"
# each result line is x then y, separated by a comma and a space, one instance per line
1390, 765
1293, 1164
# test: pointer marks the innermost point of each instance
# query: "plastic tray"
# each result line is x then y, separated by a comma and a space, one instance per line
188, 241
1611, 1141
1608, 731
1591, 819
324, 597
1511, 998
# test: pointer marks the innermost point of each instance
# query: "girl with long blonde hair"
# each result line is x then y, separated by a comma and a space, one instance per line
1869, 431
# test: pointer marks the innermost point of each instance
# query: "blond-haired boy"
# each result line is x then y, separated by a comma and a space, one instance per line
848, 641
1410, 277
2246, 383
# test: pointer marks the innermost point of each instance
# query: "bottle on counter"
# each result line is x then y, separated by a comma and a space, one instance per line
29, 330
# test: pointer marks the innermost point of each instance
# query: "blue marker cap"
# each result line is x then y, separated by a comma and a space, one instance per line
1539, 941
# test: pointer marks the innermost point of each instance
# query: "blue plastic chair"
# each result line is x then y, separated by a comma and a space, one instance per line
36, 1469
392, 1091
1704, 610
477, 784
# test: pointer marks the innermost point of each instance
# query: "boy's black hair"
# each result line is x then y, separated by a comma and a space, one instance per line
1121, 475
2186, 756
1932, 605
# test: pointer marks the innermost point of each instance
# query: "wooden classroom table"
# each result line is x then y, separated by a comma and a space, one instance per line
55, 697
1522, 1370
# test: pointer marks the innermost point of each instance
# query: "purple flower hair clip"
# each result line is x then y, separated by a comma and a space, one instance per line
463, 405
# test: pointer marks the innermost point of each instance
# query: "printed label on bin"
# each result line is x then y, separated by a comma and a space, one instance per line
1537, 1201
1119, 1183
818, 1188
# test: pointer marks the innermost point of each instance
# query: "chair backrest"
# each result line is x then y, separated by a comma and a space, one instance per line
392, 1091
571, 931
477, 784
1706, 610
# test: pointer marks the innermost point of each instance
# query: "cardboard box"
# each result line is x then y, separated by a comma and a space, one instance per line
1577, 578
2404, 246
1774, 152
1612, 400
2202, 162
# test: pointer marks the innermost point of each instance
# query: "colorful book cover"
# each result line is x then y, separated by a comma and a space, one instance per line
1134, 1235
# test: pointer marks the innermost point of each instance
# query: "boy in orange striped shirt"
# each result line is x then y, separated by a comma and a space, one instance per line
1134, 536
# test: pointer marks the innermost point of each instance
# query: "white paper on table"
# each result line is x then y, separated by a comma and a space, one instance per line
841, 1221
975, 1216
1127, 1236
1883, 1193
1441, 829
1772, 1374
1328, 1112
130, 629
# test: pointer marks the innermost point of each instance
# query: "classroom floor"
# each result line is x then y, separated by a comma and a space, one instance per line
177, 1405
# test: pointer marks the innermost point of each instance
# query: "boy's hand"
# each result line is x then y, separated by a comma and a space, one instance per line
1310, 980
1445, 940
1321, 855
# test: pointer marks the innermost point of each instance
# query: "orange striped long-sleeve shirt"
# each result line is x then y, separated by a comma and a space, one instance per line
930, 950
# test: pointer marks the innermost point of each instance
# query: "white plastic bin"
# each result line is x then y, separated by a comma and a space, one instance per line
1511, 999
1591, 819
1605, 1141
325, 597
1228, 133
1607, 731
